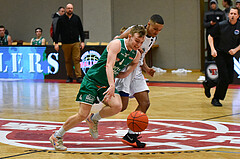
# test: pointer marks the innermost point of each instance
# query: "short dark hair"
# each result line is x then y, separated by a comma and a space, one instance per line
237, 9
38, 29
1, 26
60, 8
229, 2
156, 18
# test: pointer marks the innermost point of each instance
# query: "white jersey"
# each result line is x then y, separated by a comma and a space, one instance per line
135, 81
146, 46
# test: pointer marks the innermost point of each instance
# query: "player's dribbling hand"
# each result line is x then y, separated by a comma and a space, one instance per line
151, 72
109, 93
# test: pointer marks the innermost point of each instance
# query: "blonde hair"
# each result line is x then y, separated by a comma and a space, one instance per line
122, 30
138, 29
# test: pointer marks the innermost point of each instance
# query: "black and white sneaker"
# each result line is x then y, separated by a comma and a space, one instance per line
132, 140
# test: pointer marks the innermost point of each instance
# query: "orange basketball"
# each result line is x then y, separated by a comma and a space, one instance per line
137, 121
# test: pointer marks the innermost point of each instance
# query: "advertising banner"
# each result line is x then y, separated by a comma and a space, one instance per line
41, 62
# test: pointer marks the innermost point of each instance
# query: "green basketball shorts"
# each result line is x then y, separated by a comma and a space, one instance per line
90, 92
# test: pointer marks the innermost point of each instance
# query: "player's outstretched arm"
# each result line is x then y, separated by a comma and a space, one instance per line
113, 48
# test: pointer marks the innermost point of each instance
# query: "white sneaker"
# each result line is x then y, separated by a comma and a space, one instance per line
93, 126
57, 143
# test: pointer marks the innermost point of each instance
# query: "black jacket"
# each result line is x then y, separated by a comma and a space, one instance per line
69, 29
213, 15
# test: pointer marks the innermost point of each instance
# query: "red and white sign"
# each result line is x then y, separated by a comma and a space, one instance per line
161, 135
212, 71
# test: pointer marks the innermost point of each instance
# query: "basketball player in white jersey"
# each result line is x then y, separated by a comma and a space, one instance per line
135, 84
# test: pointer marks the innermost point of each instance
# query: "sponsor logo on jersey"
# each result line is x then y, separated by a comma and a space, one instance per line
90, 98
116, 70
126, 55
160, 135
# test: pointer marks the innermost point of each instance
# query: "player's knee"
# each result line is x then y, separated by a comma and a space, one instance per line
117, 108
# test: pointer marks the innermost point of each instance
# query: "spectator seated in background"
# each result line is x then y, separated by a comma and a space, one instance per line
4, 38
38, 40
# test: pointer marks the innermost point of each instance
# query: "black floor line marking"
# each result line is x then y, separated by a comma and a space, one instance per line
220, 116
22, 154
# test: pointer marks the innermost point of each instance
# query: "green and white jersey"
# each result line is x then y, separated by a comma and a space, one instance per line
3, 40
37, 41
97, 72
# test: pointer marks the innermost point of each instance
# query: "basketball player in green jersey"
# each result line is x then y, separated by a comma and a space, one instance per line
99, 83
4, 38
38, 40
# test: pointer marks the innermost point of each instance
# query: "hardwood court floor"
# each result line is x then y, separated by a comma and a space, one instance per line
171, 102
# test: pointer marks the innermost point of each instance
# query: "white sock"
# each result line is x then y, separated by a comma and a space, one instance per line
132, 132
60, 132
96, 116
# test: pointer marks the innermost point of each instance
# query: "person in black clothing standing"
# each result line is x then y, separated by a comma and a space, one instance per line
69, 26
224, 41
211, 17
55, 17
